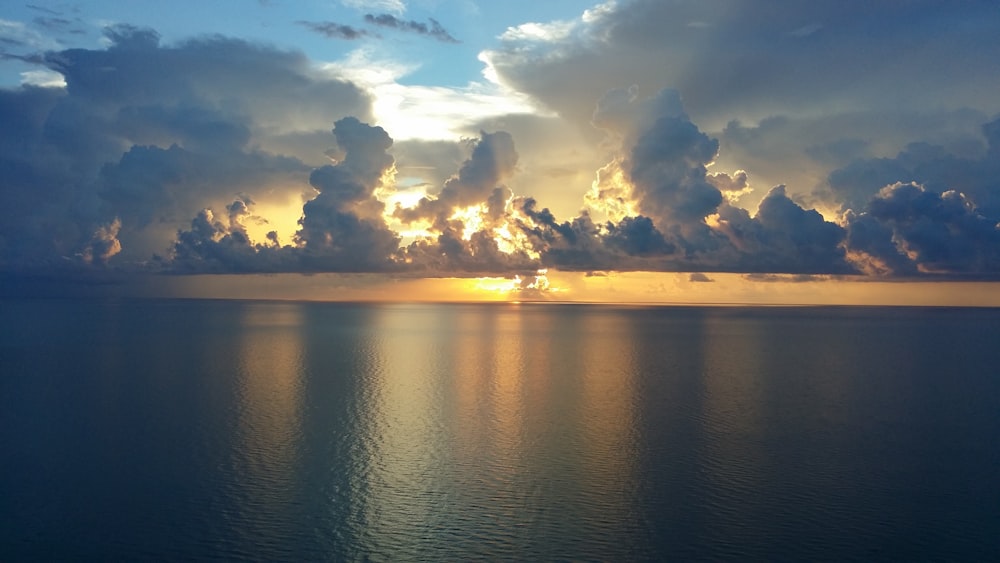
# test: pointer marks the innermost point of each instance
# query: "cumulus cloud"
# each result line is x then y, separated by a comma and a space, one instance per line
341, 228
665, 156
669, 211
937, 232
479, 180
784, 237
143, 135
972, 171
103, 244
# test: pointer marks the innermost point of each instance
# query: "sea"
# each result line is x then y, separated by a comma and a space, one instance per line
135, 430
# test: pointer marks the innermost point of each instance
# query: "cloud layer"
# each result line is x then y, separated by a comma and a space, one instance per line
179, 158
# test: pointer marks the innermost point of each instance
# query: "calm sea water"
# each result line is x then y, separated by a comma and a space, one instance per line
295, 431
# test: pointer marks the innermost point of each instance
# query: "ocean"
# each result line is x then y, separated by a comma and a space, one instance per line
201, 430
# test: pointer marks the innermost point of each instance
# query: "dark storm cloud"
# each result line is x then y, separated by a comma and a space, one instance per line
335, 30
143, 136
434, 30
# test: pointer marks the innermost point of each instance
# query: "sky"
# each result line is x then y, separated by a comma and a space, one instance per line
630, 151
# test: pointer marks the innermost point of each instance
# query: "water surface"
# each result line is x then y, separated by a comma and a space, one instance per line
307, 431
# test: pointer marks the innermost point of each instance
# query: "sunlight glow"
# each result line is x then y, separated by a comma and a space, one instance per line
497, 285
425, 112
611, 193
471, 217
509, 241
532, 287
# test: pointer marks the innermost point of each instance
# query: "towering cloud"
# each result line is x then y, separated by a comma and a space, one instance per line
664, 157
342, 227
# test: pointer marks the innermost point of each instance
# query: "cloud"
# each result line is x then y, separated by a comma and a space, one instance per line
668, 213
433, 30
787, 278
43, 79
185, 157
938, 232
972, 170
334, 30
103, 244
17, 35
756, 59
147, 135
493, 160
664, 158
801, 151
341, 229
784, 237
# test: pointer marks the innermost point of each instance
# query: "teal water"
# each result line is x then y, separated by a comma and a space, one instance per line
228, 430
